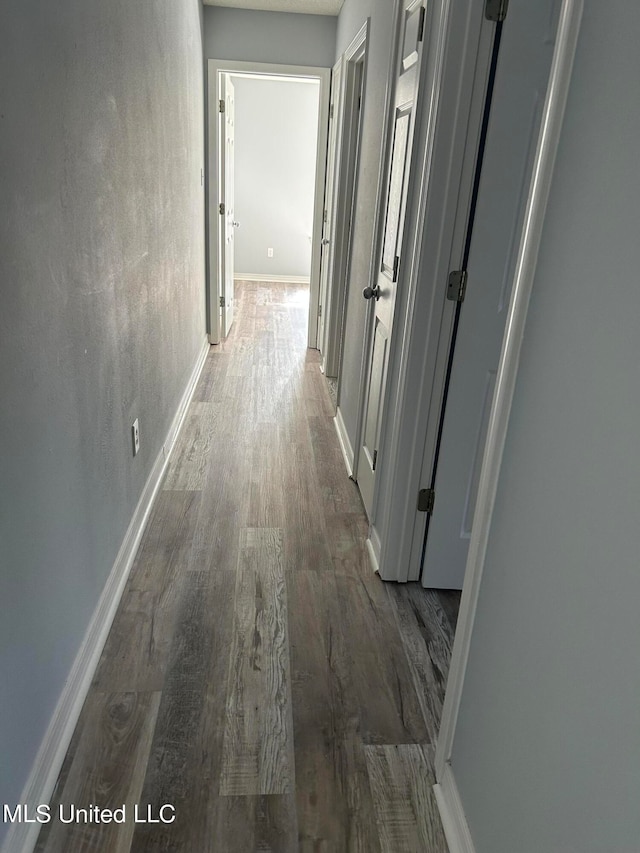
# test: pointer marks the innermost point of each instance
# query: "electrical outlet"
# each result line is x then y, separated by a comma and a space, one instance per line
269, 253
135, 435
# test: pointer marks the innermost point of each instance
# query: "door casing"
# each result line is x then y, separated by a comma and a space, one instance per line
352, 67
447, 795
226, 183
522, 58
448, 124
215, 68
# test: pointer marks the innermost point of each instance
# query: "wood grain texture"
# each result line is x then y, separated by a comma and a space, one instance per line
335, 809
380, 676
185, 756
265, 824
406, 812
188, 465
138, 645
108, 769
167, 541
258, 676
266, 485
213, 377
338, 493
428, 639
258, 747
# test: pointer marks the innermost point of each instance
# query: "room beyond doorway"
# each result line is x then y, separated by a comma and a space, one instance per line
266, 182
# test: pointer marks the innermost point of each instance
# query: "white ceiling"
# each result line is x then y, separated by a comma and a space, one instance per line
309, 7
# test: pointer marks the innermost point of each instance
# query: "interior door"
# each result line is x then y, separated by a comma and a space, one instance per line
326, 258
394, 199
227, 212
522, 72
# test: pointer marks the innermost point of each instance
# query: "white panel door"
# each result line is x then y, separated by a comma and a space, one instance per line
227, 149
522, 73
394, 201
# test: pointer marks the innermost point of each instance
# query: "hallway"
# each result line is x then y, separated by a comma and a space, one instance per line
258, 676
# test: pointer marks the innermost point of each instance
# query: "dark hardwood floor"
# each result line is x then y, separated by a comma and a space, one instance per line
259, 677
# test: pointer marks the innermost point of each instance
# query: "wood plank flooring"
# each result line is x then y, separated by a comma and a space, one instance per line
259, 677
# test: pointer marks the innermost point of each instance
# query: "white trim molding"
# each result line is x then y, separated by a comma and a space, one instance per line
215, 68
378, 225
454, 822
345, 444
348, 114
548, 140
373, 549
447, 137
259, 276
39, 787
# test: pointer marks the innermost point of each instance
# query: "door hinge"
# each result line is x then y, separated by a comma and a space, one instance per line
331, 111
396, 267
324, 215
222, 302
319, 311
374, 460
457, 285
423, 12
496, 10
220, 106
221, 208
426, 500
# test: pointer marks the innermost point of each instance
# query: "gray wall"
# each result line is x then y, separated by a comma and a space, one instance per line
102, 312
282, 38
275, 179
353, 15
547, 747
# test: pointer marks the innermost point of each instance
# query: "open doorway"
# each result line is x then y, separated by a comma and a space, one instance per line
267, 153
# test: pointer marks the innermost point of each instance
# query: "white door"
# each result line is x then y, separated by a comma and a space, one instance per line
394, 198
524, 61
227, 213
326, 259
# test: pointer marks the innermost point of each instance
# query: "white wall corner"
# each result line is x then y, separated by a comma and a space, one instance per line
345, 444
454, 822
22, 837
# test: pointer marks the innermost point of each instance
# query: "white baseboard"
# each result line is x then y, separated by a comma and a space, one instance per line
454, 822
22, 837
176, 424
259, 276
345, 444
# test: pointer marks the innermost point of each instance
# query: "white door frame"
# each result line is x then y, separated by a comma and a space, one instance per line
347, 135
261, 69
449, 116
351, 452
329, 219
548, 140
226, 184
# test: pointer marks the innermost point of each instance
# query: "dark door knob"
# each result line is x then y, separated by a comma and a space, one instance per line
370, 292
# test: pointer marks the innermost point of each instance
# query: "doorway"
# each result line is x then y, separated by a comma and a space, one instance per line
343, 156
523, 49
266, 181
409, 496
